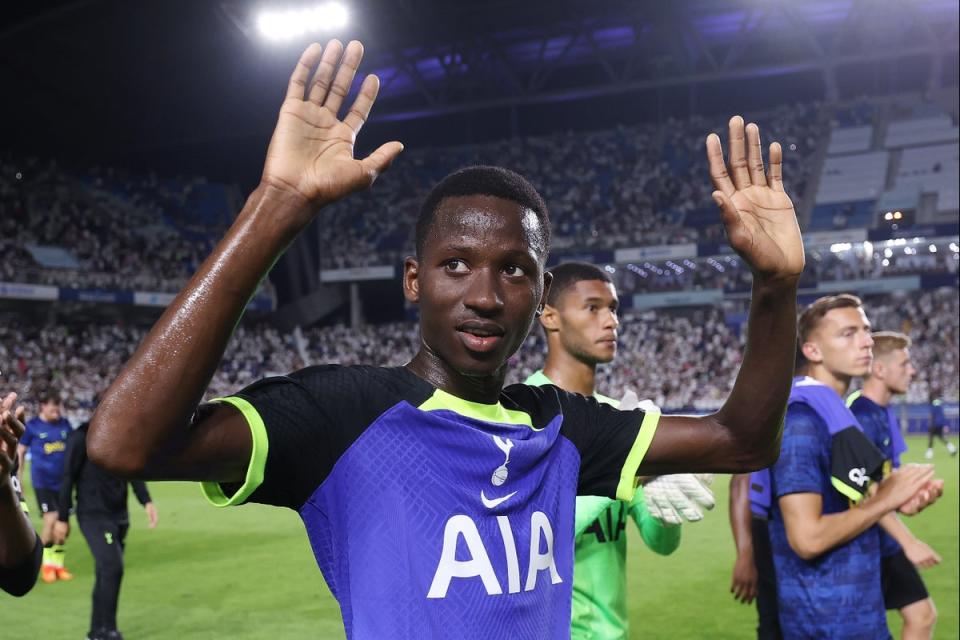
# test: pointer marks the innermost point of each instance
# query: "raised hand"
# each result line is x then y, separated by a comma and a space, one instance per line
757, 213
11, 428
311, 152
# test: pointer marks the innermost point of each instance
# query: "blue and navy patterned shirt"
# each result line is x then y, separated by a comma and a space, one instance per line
836, 595
431, 516
875, 421
47, 443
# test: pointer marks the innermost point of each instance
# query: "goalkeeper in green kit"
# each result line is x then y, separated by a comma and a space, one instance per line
580, 322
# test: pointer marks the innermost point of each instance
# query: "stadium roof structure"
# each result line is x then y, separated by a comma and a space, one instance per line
190, 80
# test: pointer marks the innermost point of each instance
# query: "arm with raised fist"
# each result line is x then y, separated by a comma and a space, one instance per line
143, 426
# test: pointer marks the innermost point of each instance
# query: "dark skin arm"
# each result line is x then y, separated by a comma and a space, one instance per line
140, 432
744, 583
761, 225
17, 537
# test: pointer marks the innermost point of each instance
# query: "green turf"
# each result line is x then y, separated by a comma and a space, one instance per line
248, 573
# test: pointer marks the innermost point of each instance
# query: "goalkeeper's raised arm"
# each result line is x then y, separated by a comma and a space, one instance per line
142, 426
761, 226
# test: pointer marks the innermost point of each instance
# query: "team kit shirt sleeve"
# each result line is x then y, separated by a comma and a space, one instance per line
298, 428
612, 443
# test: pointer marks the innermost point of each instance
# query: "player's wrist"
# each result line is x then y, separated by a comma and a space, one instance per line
282, 211
775, 285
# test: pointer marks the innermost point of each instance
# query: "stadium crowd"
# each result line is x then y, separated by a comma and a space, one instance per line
680, 359
628, 186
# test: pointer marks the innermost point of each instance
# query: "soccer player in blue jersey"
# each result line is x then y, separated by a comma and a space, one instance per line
20, 545
581, 322
826, 550
901, 552
938, 424
46, 440
466, 488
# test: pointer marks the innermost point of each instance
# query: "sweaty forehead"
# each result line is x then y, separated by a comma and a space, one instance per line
487, 220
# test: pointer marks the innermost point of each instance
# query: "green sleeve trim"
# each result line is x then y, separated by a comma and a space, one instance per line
853, 397
846, 490
628, 475
213, 491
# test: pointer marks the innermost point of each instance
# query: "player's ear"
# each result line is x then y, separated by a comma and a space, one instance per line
811, 352
550, 318
547, 283
411, 284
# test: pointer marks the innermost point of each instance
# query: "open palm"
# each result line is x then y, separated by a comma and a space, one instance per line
758, 215
311, 152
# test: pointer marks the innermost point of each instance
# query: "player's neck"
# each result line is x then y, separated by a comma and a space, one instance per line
569, 373
836, 381
876, 391
433, 369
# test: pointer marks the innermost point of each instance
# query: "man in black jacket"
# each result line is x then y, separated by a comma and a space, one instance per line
103, 519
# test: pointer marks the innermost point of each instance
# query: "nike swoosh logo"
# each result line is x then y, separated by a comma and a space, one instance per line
490, 504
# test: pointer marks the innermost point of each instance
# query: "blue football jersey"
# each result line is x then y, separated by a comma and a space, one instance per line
47, 443
838, 594
431, 516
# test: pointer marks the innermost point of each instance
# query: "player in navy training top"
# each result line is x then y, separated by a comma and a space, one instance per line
825, 548
46, 440
438, 503
901, 553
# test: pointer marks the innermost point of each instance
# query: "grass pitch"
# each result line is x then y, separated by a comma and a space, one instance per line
249, 573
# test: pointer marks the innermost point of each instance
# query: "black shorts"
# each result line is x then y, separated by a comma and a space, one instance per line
937, 431
48, 499
901, 582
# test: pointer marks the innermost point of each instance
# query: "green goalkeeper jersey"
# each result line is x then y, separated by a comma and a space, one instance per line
599, 574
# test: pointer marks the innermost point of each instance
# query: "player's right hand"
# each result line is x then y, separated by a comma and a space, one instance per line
745, 579
61, 531
920, 554
903, 484
11, 428
311, 151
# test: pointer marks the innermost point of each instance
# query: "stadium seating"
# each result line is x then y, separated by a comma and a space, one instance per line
680, 359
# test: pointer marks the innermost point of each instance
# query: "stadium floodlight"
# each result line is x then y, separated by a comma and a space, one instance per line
287, 24
840, 247
933, 248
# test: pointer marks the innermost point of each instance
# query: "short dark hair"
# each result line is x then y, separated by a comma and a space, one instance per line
811, 316
48, 395
570, 273
482, 180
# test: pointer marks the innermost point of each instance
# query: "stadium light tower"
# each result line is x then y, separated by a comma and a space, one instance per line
287, 24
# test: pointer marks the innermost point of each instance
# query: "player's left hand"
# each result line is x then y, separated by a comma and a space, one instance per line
757, 213
678, 497
920, 554
152, 515
61, 531
926, 496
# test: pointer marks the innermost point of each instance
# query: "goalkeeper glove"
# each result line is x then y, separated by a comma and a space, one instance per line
678, 497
